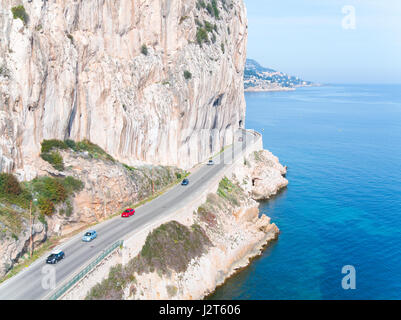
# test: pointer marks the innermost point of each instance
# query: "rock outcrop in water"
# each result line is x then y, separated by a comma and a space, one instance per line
145, 80
262, 175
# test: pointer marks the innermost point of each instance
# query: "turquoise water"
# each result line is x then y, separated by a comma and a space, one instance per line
342, 146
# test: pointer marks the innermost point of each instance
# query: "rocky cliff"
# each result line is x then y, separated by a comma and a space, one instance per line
187, 259
153, 80
91, 187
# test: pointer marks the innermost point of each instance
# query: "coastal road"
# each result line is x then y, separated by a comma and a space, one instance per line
27, 285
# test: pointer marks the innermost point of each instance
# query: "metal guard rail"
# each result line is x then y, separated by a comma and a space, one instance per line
85, 271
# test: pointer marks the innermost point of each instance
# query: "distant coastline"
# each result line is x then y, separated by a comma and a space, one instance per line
260, 79
278, 89
270, 89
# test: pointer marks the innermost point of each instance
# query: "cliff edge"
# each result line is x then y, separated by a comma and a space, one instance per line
147, 81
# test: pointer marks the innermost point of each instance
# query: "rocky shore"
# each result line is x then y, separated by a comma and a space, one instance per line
230, 233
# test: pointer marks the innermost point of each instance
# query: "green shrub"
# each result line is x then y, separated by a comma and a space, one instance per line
42, 219
222, 48
11, 220
13, 194
71, 144
55, 159
111, 287
208, 26
187, 75
144, 50
85, 145
46, 207
172, 246
216, 11
69, 209
201, 36
94, 150
72, 185
171, 290
229, 191
20, 13
183, 18
69, 36
129, 168
258, 156
212, 9
48, 145
206, 215
9, 184
200, 4
50, 189
209, 9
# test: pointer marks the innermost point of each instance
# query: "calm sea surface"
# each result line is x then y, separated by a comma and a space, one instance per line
342, 146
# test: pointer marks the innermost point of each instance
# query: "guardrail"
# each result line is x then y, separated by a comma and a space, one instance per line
254, 132
85, 271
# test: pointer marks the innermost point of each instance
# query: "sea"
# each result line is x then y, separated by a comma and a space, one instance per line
340, 216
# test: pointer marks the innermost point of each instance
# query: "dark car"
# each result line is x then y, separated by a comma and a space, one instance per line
185, 182
55, 257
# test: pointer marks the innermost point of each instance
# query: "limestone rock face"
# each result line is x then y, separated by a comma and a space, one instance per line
262, 176
112, 72
108, 188
12, 247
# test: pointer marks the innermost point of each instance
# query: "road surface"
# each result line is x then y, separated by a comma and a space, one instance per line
27, 285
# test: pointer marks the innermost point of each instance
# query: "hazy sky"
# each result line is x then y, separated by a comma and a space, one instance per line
307, 38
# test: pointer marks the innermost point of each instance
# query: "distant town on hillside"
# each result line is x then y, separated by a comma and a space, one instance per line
258, 78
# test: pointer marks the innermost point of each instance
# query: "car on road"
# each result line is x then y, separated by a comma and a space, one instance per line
128, 213
185, 182
89, 236
210, 162
55, 257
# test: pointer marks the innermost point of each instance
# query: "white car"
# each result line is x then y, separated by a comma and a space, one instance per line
210, 162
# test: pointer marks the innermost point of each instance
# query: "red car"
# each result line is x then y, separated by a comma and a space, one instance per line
128, 213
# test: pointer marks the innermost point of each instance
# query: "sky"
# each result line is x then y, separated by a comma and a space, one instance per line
327, 41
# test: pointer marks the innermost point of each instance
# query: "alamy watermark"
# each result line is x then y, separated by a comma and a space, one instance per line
349, 20
49, 277
349, 281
